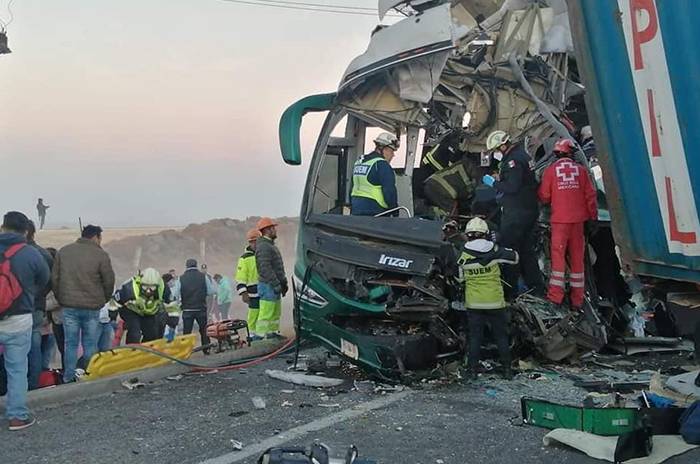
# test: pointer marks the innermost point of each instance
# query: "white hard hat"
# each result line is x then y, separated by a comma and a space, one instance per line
385, 139
150, 277
586, 132
496, 139
477, 225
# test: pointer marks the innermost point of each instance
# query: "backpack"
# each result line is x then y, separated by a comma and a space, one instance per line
10, 288
690, 424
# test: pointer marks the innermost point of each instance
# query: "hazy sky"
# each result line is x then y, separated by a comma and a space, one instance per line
161, 112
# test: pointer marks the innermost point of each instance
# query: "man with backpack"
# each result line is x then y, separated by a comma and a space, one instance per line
23, 273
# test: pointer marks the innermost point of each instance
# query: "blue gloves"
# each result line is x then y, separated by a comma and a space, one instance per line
169, 334
488, 180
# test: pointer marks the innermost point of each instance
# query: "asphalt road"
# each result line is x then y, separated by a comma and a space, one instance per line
194, 420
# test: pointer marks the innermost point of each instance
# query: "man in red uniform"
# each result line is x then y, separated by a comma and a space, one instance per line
568, 187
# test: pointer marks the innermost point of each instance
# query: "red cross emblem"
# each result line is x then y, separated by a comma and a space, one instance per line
567, 171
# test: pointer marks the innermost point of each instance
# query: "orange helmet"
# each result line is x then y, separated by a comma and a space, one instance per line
264, 223
252, 235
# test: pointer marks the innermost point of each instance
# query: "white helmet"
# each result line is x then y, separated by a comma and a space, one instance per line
150, 277
496, 139
586, 133
477, 225
385, 139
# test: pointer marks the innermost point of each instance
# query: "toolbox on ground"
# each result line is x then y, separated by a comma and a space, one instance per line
599, 421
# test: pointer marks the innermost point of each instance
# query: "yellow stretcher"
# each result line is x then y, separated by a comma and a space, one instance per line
123, 359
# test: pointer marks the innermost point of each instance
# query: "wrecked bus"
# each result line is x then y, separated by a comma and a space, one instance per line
377, 289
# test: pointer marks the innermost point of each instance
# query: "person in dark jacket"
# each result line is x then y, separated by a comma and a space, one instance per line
272, 280
194, 289
518, 188
452, 189
32, 273
82, 281
39, 349
374, 180
41, 209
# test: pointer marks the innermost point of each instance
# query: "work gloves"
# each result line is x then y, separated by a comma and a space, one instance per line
285, 288
488, 180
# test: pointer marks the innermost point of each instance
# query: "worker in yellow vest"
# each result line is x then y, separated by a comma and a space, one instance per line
247, 282
484, 297
373, 179
141, 298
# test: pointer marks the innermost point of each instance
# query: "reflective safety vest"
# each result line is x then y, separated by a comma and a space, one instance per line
361, 187
144, 307
483, 287
430, 159
247, 274
455, 181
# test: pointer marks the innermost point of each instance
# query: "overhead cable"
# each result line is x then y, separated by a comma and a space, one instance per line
322, 5
304, 7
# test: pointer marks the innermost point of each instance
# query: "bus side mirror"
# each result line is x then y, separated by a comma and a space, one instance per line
290, 124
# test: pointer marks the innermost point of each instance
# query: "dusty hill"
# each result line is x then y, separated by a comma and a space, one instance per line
218, 243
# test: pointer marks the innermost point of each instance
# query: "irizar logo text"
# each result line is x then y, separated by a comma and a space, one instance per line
395, 262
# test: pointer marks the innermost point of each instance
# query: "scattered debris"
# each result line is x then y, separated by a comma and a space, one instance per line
286, 404
288, 392
657, 385
329, 405
133, 384
684, 384
175, 378
641, 346
258, 402
525, 365
304, 379
238, 414
237, 445
599, 447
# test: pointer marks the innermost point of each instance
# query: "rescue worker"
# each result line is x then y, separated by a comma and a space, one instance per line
451, 190
195, 287
272, 281
567, 186
518, 188
247, 283
141, 298
436, 158
483, 293
373, 179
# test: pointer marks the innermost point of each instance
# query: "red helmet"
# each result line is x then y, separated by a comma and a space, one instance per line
564, 146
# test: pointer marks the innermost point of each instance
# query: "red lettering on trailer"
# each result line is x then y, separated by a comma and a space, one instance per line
676, 235
640, 37
655, 145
